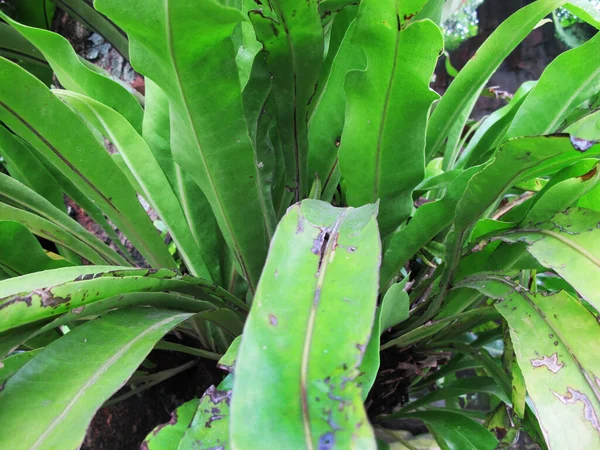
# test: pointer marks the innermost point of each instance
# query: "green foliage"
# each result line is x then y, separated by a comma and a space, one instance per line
299, 292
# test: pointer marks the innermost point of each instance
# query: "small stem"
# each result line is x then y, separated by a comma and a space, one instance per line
163, 345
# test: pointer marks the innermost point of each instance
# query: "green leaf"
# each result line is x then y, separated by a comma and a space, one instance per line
46, 294
147, 172
326, 122
292, 37
15, 47
85, 13
72, 148
34, 13
568, 243
387, 104
25, 167
394, 306
464, 90
453, 430
586, 11
19, 195
209, 137
9, 366
203, 226
292, 364
491, 133
550, 335
47, 230
74, 75
74, 375
429, 220
22, 253
554, 95
210, 426
168, 435
536, 156
227, 362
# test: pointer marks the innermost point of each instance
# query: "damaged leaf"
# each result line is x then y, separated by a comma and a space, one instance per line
322, 265
552, 337
167, 436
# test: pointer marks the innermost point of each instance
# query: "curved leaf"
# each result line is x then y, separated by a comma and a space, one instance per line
42, 295
167, 436
147, 172
74, 75
382, 152
322, 264
551, 336
72, 148
554, 95
25, 198
84, 12
568, 243
181, 46
22, 253
74, 375
471, 79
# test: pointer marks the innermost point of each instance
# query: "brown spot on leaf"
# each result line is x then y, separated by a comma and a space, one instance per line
551, 363
589, 175
273, 320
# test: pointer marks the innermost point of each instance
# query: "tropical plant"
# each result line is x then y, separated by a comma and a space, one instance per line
329, 229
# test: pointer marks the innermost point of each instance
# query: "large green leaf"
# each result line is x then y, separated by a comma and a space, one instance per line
382, 152
85, 13
42, 295
568, 242
35, 13
551, 336
556, 95
15, 47
292, 37
322, 265
180, 46
156, 132
146, 170
74, 75
72, 148
25, 167
66, 382
471, 79
22, 253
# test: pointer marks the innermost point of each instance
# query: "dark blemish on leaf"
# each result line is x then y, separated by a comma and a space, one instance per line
408, 16
361, 348
325, 14
573, 396
589, 175
500, 432
581, 145
217, 396
300, 226
338, 142
351, 249
551, 363
327, 441
398, 21
551, 336
273, 320
556, 343
78, 310
171, 421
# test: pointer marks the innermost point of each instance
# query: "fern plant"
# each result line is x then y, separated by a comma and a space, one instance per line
329, 228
